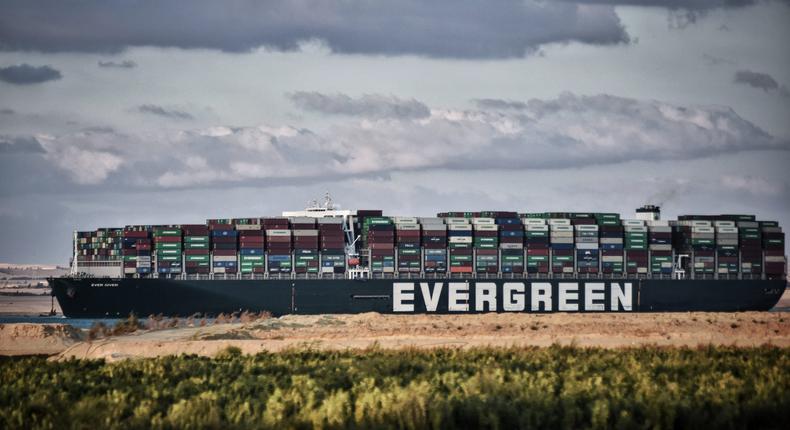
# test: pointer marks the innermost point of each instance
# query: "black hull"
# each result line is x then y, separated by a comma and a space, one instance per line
100, 298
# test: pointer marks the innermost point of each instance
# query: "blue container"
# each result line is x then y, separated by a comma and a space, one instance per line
251, 251
224, 233
501, 221
561, 246
612, 246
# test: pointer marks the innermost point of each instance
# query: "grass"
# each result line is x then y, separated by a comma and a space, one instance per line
555, 387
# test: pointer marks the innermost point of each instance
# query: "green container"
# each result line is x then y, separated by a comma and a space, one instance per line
169, 257
200, 258
168, 252
167, 232
252, 258
168, 245
196, 239
195, 245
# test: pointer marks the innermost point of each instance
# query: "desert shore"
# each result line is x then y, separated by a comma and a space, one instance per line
608, 330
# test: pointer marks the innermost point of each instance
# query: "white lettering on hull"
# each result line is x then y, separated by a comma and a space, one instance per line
514, 296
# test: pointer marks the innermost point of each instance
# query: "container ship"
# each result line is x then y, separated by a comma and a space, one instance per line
327, 260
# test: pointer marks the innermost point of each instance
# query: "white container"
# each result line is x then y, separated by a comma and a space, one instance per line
486, 227
459, 227
612, 258
633, 223
224, 258
410, 227
278, 232
489, 221
774, 259
660, 229
636, 229
660, 247
248, 227
724, 223
405, 220
449, 221
536, 227
612, 240
559, 221
562, 228
460, 239
561, 234
561, 240
587, 240
533, 221
658, 223
305, 232
586, 245
511, 245
585, 227
748, 224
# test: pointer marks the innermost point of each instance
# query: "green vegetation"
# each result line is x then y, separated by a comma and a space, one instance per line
556, 387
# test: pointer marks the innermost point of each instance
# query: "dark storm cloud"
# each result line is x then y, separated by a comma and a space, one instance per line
20, 145
368, 105
126, 64
442, 28
7, 111
160, 111
762, 81
25, 74
495, 104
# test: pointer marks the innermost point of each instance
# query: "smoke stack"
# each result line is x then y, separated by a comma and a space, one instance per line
648, 213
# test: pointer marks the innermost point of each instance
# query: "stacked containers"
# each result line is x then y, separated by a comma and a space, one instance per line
511, 244
381, 243
136, 250
279, 245
460, 241
224, 246
660, 245
434, 245
750, 241
169, 255
773, 249
251, 245
332, 245
636, 255
537, 242
587, 253
611, 245
101, 245
703, 242
408, 239
197, 255
561, 237
726, 247
486, 245
305, 237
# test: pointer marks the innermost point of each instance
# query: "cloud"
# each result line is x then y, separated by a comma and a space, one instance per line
441, 28
713, 60
125, 64
569, 131
25, 74
752, 184
7, 111
20, 145
160, 111
496, 104
762, 81
368, 105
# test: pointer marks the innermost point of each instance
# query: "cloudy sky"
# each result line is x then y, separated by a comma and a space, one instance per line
135, 112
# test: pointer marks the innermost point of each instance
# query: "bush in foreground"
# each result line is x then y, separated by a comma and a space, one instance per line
557, 387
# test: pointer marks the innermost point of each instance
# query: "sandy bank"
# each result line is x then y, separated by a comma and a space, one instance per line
30, 339
462, 331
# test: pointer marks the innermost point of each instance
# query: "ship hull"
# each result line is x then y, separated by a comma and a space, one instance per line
101, 298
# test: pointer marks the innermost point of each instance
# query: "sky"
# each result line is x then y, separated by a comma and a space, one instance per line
121, 112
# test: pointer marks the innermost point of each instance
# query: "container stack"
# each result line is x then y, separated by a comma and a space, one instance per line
136, 249
104, 244
587, 246
434, 244
660, 246
460, 244
332, 245
750, 245
381, 243
607, 219
536, 239
169, 255
224, 246
561, 237
703, 242
511, 244
279, 245
726, 247
611, 245
305, 236
773, 248
197, 256
636, 254
407, 232
485, 243
251, 245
